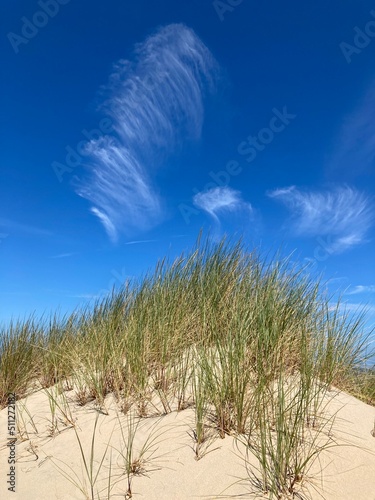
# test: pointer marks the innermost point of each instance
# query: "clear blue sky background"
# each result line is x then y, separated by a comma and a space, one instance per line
190, 89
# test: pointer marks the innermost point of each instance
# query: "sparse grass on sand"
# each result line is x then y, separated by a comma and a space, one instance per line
252, 345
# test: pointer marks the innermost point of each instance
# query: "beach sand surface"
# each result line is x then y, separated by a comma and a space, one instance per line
168, 469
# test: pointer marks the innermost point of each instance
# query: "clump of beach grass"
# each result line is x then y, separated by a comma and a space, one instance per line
137, 454
253, 343
87, 482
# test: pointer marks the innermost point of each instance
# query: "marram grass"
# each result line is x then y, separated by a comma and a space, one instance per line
252, 345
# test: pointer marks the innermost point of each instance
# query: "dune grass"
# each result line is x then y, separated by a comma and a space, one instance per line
253, 343
87, 482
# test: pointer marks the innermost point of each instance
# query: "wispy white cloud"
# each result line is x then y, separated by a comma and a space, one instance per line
361, 289
354, 150
352, 307
106, 221
219, 200
138, 242
85, 296
340, 280
63, 255
155, 103
343, 214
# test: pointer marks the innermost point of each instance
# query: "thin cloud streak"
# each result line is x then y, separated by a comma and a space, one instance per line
86, 296
63, 255
343, 214
221, 199
138, 242
155, 103
107, 223
361, 289
354, 150
350, 307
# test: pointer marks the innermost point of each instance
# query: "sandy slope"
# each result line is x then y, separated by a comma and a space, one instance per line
342, 473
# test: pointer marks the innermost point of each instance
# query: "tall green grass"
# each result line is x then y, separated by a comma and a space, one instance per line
254, 343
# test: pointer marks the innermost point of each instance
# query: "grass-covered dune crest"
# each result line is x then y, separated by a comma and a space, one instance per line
252, 346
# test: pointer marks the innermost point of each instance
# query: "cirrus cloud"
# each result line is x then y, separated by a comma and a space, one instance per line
220, 200
344, 214
156, 102
361, 289
354, 149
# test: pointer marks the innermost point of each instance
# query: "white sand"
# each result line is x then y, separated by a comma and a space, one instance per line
344, 472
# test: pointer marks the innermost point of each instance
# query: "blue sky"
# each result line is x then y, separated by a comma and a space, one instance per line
128, 126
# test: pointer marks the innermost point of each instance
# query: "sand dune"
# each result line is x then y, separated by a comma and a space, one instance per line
168, 469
